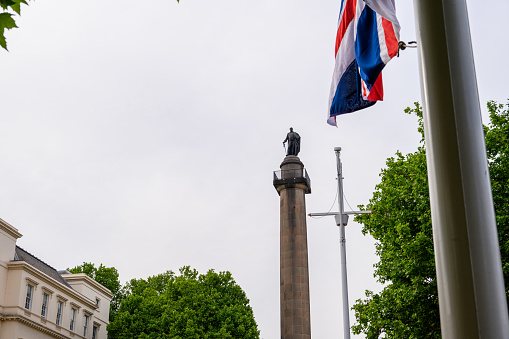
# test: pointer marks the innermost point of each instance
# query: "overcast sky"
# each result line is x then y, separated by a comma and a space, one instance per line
143, 135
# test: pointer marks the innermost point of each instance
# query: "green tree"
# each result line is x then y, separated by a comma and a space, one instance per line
6, 17
106, 276
407, 307
497, 148
189, 305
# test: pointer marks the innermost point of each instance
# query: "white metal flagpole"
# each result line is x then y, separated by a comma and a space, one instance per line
342, 246
469, 270
342, 220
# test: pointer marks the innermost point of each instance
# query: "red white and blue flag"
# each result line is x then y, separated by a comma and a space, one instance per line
366, 40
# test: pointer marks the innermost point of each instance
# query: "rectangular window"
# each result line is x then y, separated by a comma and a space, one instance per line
85, 325
94, 332
60, 305
73, 319
28, 301
44, 309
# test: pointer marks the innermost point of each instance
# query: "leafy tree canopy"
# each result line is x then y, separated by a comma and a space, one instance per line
6, 17
106, 276
497, 147
189, 305
10, 7
408, 305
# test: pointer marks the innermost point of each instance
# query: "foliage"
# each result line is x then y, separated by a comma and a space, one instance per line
189, 305
408, 305
106, 276
497, 147
6, 17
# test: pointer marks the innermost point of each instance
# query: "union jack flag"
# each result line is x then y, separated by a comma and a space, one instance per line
366, 40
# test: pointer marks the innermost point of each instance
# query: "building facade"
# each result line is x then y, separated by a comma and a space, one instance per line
39, 302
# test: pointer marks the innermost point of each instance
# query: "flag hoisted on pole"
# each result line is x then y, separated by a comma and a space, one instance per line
366, 40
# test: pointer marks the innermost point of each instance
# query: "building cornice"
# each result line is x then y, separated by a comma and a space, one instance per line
22, 265
25, 321
77, 277
9, 229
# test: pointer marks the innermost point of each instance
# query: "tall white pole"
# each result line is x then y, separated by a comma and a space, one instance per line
342, 246
469, 272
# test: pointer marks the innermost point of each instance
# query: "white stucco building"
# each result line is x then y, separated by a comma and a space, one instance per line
38, 302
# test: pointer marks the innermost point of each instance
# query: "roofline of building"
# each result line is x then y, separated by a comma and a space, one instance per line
11, 230
82, 276
23, 265
23, 258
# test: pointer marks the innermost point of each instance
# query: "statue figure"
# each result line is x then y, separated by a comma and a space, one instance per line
293, 139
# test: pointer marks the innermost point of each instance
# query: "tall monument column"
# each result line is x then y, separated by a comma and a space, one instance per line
292, 183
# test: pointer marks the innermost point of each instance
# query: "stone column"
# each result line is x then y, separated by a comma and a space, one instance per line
292, 184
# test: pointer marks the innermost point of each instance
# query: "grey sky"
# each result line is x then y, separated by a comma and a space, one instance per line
144, 137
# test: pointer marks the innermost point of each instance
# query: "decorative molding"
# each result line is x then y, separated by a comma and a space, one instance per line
32, 282
23, 265
82, 277
34, 325
47, 290
62, 299
76, 306
9, 229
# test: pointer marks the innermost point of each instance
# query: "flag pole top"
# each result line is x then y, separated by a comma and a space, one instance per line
337, 149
